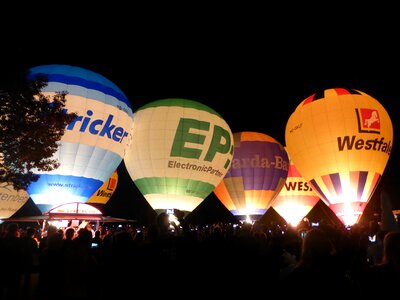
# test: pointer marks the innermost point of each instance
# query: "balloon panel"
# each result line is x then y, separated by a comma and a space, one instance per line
180, 151
104, 193
11, 200
340, 140
258, 171
94, 143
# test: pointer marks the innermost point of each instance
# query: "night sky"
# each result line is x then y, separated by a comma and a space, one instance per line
254, 85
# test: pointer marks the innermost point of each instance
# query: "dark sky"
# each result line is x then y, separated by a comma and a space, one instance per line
254, 83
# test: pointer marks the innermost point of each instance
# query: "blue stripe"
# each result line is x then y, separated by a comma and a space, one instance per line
89, 94
78, 76
78, 187
335, 177
44, 207
362, 179
89, 85
315, 186
73, 71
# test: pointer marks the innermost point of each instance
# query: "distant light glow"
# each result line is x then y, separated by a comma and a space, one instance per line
248, 220
59, 223
173, 218
292, 212
348, 215
76, 208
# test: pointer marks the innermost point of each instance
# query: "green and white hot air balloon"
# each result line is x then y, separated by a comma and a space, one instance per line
180, 150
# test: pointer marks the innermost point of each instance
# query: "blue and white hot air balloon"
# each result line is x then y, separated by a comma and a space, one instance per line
93, 145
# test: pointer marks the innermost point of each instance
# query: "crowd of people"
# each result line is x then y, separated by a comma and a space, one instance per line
222, 259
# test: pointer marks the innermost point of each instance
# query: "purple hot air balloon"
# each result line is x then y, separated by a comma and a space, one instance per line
257, 174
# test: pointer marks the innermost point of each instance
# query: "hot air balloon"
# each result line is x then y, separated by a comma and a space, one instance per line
94, 143
104, 193
340, 141
296, 198
11, 200
257, 174
180, 150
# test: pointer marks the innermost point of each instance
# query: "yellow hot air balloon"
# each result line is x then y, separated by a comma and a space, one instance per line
340, 141
179, 152
104, 193
296, 198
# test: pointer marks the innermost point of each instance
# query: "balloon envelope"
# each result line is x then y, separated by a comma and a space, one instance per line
94, 143
340, 141
104, 193
180, 150
256, 176
296, 197
11, 200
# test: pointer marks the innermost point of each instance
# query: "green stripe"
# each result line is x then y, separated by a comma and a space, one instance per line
181, 103
174, 186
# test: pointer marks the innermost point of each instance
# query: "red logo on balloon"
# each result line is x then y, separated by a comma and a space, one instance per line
368, 120
111, 184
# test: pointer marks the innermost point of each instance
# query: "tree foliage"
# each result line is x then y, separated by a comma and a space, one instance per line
31, 127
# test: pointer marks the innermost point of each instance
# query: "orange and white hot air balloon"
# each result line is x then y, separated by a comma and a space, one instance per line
340, 141
296, 198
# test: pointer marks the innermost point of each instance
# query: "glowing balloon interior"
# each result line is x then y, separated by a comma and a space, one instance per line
340, 141
296, 198
94, 143
180, 150
104, 193
256, 176
11, 200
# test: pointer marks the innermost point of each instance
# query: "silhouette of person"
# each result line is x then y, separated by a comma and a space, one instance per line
318, 267
382, 279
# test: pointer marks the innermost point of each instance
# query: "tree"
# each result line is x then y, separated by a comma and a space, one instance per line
31, 126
